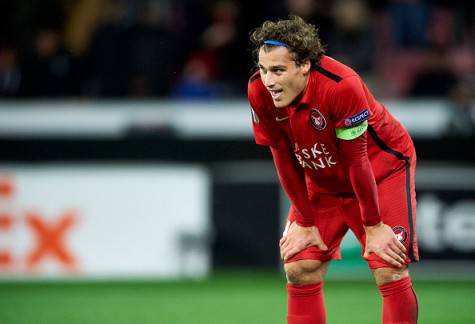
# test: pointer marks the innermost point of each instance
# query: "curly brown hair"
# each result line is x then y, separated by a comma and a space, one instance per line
301, 38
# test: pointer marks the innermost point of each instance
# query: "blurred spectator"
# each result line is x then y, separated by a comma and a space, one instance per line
463, 120
352, 42
199, 48
436, 79
133, 52
82, 20
316, 12
409, 20
107, 60
223, 40
154, 51
10, 74
218, 60
461, 16
48, 68
441, 29
196, 81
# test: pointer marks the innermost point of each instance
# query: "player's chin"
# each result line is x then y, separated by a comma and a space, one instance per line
280, 103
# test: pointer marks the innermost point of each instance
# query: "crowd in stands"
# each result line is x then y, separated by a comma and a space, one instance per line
190, 49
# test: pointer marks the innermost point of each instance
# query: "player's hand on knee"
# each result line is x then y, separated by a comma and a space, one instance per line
381, 240
298, 238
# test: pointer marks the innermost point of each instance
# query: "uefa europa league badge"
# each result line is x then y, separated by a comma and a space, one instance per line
317, 119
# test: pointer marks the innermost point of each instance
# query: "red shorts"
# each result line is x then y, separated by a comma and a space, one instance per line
335, 215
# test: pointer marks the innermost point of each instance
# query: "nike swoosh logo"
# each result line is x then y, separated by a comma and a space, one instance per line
279, 119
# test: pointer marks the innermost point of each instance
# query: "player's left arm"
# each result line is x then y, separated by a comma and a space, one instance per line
380, 238
351, 116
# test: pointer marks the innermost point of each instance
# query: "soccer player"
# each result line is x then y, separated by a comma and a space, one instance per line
344, 162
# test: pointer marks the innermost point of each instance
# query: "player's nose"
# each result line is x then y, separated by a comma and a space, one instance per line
269, 80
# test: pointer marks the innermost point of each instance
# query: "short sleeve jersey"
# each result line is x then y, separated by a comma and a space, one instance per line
336, 101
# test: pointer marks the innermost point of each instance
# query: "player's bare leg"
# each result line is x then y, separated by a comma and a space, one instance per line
399, 299
387, 275
305, 272
305, 295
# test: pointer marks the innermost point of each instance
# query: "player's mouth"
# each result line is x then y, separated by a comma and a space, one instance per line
276, 93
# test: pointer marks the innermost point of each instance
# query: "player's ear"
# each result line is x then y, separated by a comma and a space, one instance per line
306, 66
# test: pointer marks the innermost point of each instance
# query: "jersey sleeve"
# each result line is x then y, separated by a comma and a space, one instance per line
265, 131
350, 108
362, 178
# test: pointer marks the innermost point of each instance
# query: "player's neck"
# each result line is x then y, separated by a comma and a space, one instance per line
299, 97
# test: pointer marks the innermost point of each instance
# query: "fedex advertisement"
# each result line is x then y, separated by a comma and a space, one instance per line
113, 221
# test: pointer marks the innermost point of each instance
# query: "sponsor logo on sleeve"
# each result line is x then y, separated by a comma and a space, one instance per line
317, 119
356, 119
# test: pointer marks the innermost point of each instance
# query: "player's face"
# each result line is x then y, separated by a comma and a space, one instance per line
283, 78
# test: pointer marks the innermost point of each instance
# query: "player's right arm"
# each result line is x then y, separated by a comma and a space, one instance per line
292, 181
268, 133
302, 233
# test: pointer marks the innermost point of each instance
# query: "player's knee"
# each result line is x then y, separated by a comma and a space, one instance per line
387, 275
305, 271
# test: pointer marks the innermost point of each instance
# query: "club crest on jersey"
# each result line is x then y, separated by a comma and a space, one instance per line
317, 119
401, 233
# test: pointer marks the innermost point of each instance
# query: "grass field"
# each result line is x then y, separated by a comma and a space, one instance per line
225, 298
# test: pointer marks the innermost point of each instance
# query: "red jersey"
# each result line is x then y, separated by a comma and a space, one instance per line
335, 99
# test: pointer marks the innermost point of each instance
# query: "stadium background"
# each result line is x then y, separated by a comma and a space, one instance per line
131, 189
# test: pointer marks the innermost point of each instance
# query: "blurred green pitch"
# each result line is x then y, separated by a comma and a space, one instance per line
225, 298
